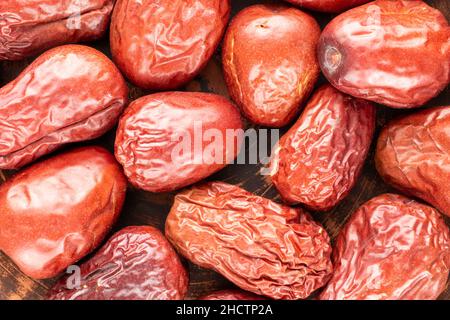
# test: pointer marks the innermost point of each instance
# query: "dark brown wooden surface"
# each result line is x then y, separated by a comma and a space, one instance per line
145, 208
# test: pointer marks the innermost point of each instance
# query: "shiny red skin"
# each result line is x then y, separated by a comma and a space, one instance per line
328, 5
392, 248
270, 62
413, 156
318, 161
394, 53
231, 295
68, 94
137, 263
162, 45
153, 126
259, 245
32, 26
57, 211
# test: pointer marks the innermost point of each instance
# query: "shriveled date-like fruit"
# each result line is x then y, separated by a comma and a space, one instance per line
261, 246
395, 53
163, 44
391, 248
270, 63
413, 155
328, 5
231, 295
68, 94
318, 161
168, 140
28, 27
58, 210
137, 263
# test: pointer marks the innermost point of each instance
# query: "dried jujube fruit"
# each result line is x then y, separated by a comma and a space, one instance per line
231, 294
137, 263
28, 27
394, 53
68, 94
413, 156
163, 44
270, 62
328, 5
259, 245
391, 248
166, 141
56, 211
317, 162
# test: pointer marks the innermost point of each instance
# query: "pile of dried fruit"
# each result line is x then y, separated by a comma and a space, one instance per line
59, 208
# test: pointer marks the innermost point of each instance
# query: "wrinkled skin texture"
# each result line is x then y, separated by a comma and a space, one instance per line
160, 144
413, 156
28, 27
55, 212
137, 263
392, 248
318, 161
328, 5
162, 45
231, 295
270, 64
68, 94
259, 245
394, 53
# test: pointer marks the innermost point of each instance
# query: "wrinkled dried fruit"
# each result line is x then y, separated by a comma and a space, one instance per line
269, 62
162, 45
395, 53
28, 27
318, 161
55, 212
137, 263
231, 295
70, 93
413, 156
391, 248
169, 140
328, 5
259, 245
